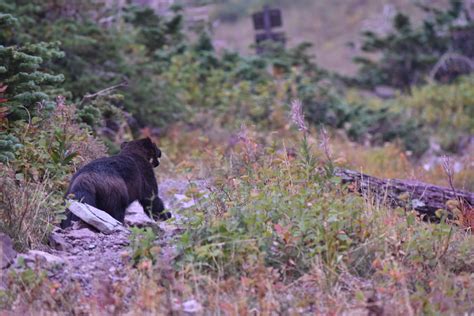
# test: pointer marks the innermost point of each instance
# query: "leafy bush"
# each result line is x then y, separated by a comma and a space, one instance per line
70, 25
31, 198
141, 244
127, 53
447, 110
364, 122
283, 213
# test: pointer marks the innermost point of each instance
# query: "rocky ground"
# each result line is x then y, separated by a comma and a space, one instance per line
83, 255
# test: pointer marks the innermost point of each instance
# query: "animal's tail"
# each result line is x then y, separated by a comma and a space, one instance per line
81, 192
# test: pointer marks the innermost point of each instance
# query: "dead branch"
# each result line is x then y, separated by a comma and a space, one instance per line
105, 91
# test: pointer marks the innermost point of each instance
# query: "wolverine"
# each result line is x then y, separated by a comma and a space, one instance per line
113, 183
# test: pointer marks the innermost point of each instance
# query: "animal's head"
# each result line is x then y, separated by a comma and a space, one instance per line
144, 147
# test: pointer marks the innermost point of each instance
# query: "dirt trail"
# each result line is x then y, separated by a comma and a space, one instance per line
83, 255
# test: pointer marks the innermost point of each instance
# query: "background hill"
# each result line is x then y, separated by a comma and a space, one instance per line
330, 25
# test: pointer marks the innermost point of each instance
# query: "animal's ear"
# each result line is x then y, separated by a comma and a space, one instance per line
123, 145
148, 141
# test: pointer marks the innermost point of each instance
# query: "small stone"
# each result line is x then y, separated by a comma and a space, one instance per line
75, 251
91, 246
192, 306
83, 233
385, 92
7, 254
134, 208
58, 242
43, 257
136, 217
76, 225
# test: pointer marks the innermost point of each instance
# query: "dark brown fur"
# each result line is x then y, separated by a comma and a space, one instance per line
112, 183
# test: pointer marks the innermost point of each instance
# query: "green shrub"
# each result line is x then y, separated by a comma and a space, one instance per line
409, 52
141, 244
33, 184
286, 215
364, 122
446, 110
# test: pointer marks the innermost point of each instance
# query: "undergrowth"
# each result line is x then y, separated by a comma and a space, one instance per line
32, 186
278, 233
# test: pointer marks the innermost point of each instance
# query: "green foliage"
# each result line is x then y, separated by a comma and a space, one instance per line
285, 215
53, 145
408, 53
27, 85
156, 33
446, 110
294, 216
141, 244
363, 122
70, 24
185, 81
9, 144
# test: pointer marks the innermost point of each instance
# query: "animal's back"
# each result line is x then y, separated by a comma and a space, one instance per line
102, 183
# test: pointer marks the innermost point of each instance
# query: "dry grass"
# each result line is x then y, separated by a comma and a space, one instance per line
27, 209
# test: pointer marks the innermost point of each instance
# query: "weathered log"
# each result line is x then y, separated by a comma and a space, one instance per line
94, 217
423, 197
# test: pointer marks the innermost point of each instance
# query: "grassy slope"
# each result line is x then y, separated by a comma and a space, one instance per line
328, 24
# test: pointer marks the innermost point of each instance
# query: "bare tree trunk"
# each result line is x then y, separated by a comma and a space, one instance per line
422, 197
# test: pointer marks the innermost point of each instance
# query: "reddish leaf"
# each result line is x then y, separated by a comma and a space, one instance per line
3, 112
2, 100
278, 229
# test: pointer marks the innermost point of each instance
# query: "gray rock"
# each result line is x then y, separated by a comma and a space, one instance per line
385, 92
42, 257
192, 307
7, 254
83, 233
94, 217
76, 225
136, 217
58, 242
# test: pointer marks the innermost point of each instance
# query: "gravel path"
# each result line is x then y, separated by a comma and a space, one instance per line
80, 254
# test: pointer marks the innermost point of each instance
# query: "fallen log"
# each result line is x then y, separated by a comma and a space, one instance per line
94, 217
425, 198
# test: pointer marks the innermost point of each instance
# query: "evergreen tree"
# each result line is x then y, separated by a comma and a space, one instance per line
93, 58
25, 82
408, 53
25, 85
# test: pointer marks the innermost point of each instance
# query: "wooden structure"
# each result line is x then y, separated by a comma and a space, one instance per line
264, 22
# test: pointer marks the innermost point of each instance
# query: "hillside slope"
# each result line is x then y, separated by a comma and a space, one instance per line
314, 21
